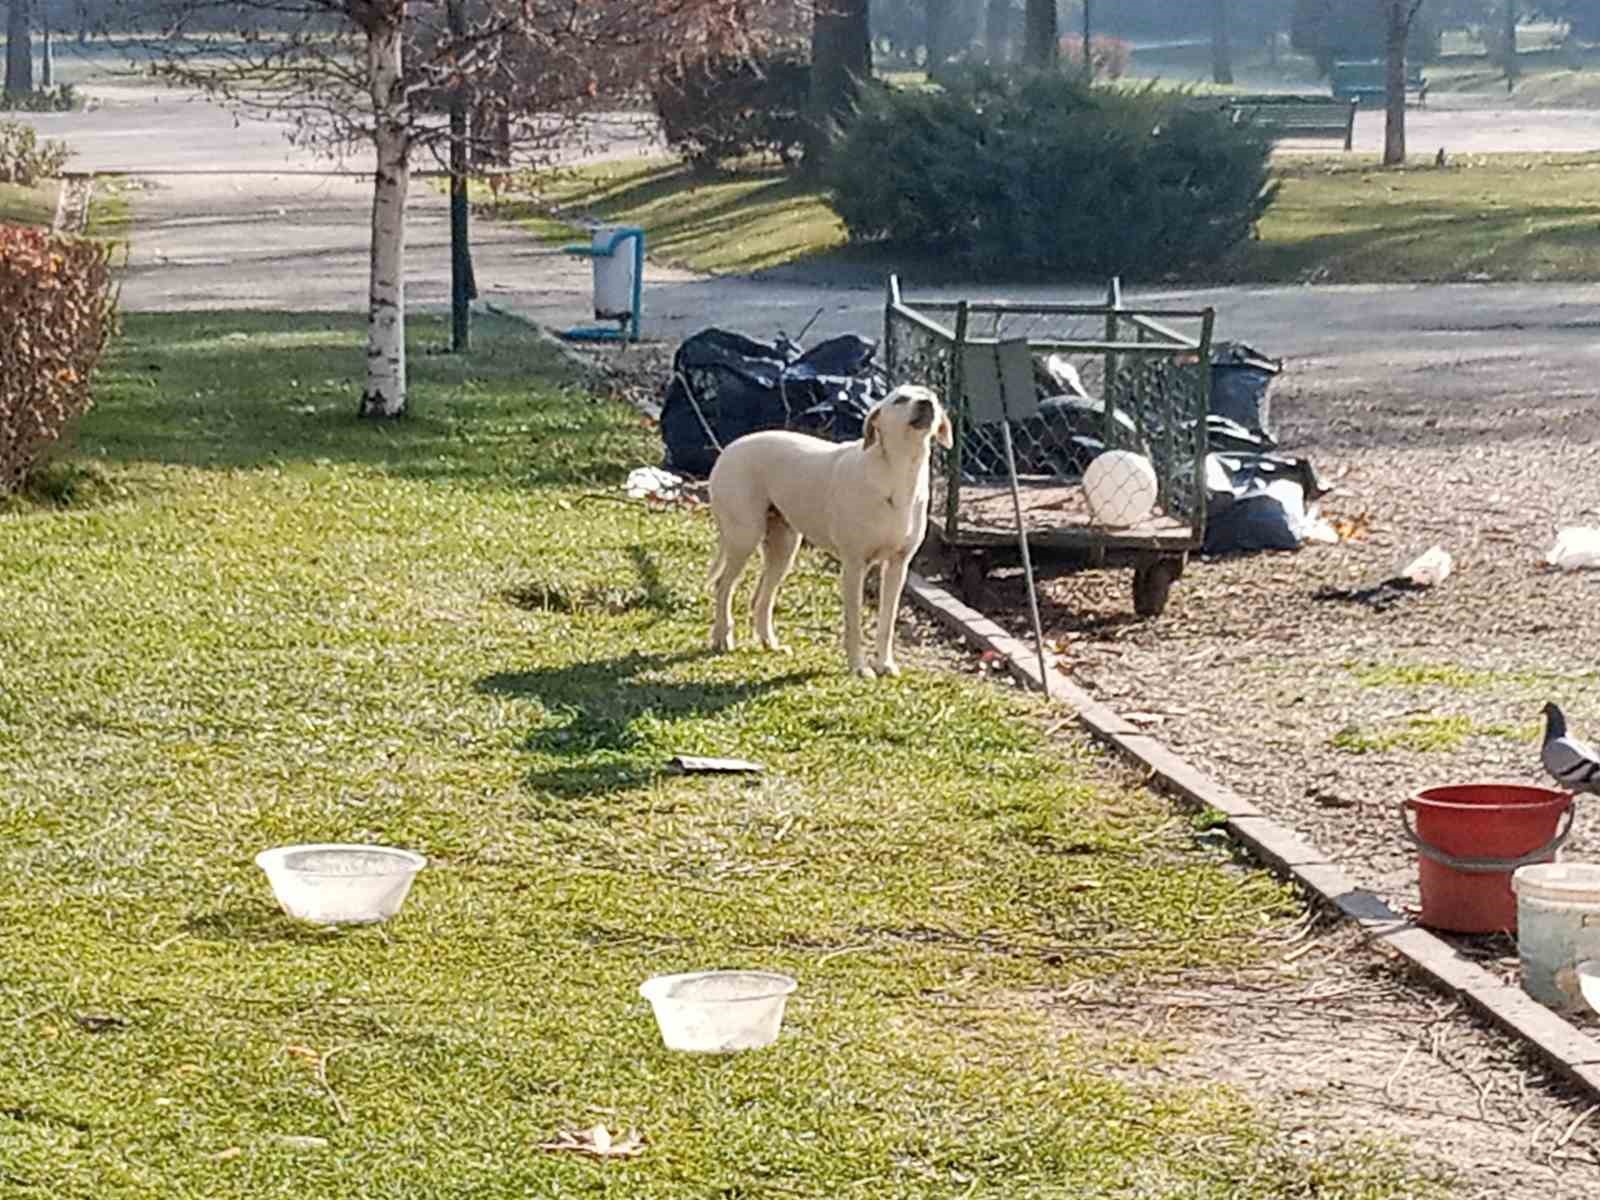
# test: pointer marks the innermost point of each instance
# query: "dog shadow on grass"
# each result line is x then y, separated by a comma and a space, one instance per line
596, 714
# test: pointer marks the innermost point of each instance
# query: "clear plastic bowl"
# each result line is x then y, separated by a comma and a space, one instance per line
334, 884
1589, 982
718, 1012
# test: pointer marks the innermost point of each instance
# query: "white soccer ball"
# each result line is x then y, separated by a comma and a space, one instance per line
1121, 488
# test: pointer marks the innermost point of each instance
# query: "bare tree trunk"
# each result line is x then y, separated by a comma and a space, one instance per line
1221, 48
997, 30
936, 37
1398, 15
385, 394
841, 55
19, 50
1512, 70
1041, 34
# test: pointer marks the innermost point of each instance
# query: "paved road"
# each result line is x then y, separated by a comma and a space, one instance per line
236, 217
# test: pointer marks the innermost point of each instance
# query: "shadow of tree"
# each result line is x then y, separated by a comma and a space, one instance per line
248, 389
597, 707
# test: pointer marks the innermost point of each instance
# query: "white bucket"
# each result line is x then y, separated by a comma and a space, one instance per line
613, 274
1558, 926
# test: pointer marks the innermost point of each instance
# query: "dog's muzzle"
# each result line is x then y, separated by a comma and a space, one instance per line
922, 414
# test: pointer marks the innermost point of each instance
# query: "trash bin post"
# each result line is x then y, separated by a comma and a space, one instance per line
618, 282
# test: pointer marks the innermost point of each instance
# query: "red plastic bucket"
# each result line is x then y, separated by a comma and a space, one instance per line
1470, 838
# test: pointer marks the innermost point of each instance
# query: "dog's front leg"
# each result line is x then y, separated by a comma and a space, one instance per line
890, 584
851, 580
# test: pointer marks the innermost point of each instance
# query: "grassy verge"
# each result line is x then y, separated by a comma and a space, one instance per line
1338, 219
34, 205
277, 624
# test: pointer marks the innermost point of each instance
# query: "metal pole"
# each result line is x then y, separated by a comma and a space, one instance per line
1027, 562
461, 283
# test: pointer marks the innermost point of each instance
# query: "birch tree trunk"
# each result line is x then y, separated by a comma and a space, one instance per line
385, 394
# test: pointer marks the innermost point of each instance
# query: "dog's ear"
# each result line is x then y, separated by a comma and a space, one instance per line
869, 431
943, 432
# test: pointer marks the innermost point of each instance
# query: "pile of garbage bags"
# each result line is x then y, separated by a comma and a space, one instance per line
725, 384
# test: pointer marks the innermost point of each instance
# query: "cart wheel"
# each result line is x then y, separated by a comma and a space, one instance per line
1152, 583
972, 574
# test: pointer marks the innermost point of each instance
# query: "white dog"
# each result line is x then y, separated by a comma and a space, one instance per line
866, 502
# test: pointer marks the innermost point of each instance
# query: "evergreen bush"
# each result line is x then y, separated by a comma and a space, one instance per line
1044, 172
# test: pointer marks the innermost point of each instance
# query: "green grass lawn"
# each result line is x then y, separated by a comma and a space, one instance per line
1337, 219
261, 621
34, 205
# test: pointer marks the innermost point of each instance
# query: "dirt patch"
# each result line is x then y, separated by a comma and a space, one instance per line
1333, 1042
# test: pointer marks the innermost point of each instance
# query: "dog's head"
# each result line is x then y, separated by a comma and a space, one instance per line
910, 412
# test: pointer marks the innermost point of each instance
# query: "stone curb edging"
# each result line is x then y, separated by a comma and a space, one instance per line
73, 198
1572, 1052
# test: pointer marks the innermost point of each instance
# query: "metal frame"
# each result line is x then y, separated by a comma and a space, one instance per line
1132, 337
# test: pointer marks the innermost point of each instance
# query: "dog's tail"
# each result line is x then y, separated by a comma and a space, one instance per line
718, 566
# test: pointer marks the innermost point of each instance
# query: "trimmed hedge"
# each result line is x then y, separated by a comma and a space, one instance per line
1043, 172
55, 293
716, 107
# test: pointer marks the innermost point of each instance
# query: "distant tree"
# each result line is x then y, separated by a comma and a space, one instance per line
1330, 30
841, 58
998, 22
1398, 16
1221, 51
19, 49
381, 72
1041, 36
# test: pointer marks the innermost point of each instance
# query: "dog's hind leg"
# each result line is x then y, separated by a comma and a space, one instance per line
891, 582
735, 545
778, 551
851, 580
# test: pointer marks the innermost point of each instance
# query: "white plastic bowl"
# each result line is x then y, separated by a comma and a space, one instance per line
718, 1012
335, 884
1589, 982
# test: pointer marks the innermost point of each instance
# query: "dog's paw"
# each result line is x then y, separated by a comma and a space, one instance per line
864, 671
888, 669
775, 646
721, 643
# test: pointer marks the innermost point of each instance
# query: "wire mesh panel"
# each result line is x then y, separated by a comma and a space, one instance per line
1109, 449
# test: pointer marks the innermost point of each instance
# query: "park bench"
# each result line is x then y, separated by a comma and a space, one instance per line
1368, 79
1291, 116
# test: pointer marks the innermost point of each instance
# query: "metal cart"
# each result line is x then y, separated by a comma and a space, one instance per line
1113, 378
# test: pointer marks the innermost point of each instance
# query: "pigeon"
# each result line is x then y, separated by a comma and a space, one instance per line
1573, 763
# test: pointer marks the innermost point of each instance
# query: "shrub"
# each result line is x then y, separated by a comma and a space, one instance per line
1040, 171
56, 295
1110, 55
24, 158
715, 107
63, 98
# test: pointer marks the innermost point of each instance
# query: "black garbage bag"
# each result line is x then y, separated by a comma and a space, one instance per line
1060, 440
1241, 387
1258, 501
725, 385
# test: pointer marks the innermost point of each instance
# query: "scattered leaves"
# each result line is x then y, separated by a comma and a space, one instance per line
597, 1142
